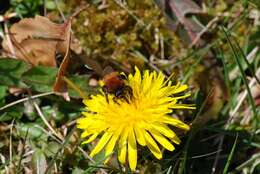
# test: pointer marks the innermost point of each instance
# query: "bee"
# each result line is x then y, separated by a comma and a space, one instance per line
114, 83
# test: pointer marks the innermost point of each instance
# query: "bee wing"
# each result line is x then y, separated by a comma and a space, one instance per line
107, 70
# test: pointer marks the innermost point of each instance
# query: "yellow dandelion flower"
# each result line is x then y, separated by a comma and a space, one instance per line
143, 120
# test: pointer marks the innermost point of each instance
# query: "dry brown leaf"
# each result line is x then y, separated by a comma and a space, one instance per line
60, 86
177, 12
36, 40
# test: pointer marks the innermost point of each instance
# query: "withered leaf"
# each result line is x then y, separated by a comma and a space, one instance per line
176, 12
60, 85
36, 40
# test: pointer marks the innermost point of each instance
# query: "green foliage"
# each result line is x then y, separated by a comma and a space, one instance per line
13, 113
230, 156
11, 71
40, 78
31, 131
39, 162
25, 8
3, 93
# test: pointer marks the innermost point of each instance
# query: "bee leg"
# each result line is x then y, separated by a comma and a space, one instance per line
115, 100
126, 99
106, 95
104, 89
125, 96
129, 93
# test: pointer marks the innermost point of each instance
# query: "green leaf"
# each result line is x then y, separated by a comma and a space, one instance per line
81, 82
52, 112
40, 78
9, 114
77, 171
32, 130
26, 7
3, 90
50, 5
52, 149
65, 142
11, 71
39, 162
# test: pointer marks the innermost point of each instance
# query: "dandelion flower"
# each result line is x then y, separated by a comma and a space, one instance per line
143, 120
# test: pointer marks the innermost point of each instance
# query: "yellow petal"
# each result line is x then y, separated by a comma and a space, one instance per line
146, 84
160, 79
102, 142
83, 123
91, 138
175, 122
85, 134
85, 101
122, 146
183, 106
166, 131
183, 96
136, 82
163, 129
137, 75
180, 88
111, 144
139, 135
175, 139
152, 146
132, 151
163, 141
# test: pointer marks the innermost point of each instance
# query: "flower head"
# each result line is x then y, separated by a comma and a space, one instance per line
143, 120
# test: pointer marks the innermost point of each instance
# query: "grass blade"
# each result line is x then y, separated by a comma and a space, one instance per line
230, 156
236, 56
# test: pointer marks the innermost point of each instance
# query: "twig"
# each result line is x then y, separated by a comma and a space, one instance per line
242, 97
250, 57
208, 26
207, 154
246, 163
213, 170
4, 18
8, 40
25, 99
232, 115
129, 12
45, 121
162, 45
22, 152
11, 143
49, 134
58, 8
61, 140
44, 8
77, 12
